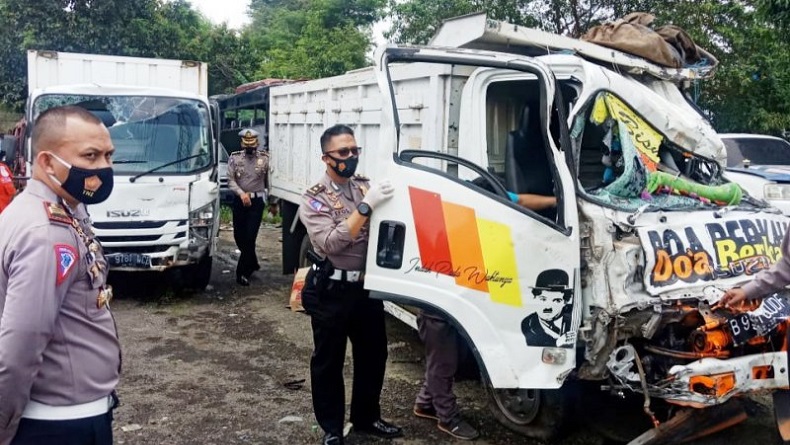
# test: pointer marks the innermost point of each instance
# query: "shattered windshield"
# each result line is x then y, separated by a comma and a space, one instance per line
625, 162
147, 131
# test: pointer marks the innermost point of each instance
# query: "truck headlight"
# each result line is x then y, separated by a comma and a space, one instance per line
777, 191
202, 220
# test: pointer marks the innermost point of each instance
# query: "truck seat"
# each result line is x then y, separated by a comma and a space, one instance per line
527, 166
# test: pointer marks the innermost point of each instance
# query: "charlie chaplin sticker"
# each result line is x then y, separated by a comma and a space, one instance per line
550, 325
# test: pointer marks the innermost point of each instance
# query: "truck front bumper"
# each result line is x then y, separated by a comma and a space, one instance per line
710, 381
156, 260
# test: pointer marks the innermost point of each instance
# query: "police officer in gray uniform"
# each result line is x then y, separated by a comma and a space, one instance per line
248, 178
335, 212
59, 351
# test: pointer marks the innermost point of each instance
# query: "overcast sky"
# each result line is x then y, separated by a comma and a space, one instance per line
234, 12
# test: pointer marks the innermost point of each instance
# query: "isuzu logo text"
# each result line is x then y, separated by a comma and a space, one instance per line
127, 213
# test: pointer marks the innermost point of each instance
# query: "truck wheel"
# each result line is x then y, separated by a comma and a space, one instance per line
198, 275
535, 413
303, 248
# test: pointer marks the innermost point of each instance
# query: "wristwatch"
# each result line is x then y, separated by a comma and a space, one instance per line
364, 209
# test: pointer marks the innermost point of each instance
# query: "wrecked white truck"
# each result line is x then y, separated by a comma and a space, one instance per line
618, 284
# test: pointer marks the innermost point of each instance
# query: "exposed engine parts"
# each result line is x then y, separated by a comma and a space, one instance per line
671, 365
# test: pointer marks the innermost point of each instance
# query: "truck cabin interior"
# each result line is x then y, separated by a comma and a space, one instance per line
624, 162
148, 138
518, 151
613, 163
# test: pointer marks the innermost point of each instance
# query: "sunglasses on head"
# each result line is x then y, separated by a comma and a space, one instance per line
345, 151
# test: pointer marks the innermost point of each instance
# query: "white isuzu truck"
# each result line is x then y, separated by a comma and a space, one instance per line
163, 212
618, 285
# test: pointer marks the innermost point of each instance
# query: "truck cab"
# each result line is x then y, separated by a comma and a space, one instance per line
163, 212
618, 284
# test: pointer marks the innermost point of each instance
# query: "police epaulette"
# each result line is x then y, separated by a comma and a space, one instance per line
316, 189
56, 213
237, 152
361, 178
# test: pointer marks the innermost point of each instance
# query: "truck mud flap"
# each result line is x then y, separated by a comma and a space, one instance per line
691, 423
782, 413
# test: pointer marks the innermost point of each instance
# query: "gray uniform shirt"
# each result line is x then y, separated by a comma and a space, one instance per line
324, 210
248, 173
57, 345
773, 279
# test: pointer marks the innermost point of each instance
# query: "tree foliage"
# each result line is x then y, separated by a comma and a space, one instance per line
319, 38
751, 90
312, 38
142, 28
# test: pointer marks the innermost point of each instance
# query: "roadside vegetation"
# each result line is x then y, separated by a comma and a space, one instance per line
319, 38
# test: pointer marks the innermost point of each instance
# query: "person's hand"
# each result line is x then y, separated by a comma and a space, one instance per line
378, 193
245, 200
566, 339
732, 296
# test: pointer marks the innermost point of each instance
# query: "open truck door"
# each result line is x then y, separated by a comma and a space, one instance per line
453, 241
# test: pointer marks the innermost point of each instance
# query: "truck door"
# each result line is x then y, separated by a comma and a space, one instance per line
453, 241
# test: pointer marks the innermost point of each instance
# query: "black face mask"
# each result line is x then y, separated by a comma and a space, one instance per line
86, 186
345, 168
249, 150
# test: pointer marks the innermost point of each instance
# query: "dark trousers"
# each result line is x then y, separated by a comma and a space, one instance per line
340, 312
89, 431
246, 222
441, 363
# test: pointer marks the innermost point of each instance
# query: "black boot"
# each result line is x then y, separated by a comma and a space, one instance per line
332, 439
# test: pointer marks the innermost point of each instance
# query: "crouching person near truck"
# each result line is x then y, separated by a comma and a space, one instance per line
335, 212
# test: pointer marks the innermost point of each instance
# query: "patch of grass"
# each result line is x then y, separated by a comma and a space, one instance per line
267, 217
225, 215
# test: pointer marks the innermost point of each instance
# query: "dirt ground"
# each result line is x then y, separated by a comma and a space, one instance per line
212, 368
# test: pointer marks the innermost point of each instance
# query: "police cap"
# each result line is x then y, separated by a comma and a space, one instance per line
249, 137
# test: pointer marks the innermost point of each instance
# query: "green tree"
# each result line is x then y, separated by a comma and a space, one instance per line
142, 28
312, 38
751, 90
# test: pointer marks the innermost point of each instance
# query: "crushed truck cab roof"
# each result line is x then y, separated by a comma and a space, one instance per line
477, 31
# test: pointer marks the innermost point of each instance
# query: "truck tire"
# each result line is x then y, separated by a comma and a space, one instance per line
197, 276
304, 246
536, 413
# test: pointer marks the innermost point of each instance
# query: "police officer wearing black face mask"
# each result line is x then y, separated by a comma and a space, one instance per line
248, 178
335, 212
59, 351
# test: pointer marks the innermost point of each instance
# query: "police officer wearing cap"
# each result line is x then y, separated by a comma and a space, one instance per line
248, 178
59, 351
335, 212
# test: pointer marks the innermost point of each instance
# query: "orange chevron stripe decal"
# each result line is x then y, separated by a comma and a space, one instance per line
453, 241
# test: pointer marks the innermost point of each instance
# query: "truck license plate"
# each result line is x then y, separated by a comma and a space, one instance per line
129, 260
772, 311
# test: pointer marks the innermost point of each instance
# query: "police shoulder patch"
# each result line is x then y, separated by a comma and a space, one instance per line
316, 189
317, 205
57, 213
361, 178
65, 260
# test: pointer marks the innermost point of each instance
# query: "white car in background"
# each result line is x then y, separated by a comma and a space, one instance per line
761, 165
